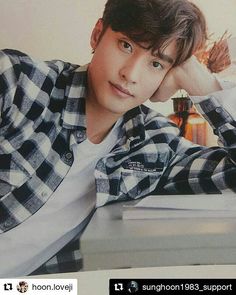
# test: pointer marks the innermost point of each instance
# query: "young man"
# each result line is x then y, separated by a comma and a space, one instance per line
73, 138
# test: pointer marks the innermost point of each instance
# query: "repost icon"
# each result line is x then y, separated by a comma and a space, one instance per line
8, 287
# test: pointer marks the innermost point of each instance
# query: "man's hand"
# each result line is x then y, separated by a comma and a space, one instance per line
192, 76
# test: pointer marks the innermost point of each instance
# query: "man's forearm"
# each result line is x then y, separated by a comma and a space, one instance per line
191, 76
195, 79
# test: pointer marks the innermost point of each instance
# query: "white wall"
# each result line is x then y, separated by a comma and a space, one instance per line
220, 15
50, 29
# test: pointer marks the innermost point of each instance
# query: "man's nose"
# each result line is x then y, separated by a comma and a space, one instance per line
131, 70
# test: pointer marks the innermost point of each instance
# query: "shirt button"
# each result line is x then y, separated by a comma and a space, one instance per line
8, 223
68, 156
81, 135
99, 175
218, 110
44, 194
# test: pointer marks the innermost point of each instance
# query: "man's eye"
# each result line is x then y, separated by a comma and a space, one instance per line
157, 65
125, 46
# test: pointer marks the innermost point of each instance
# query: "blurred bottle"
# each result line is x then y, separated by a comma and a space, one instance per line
192, 126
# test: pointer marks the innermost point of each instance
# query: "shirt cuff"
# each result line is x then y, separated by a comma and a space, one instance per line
225, 97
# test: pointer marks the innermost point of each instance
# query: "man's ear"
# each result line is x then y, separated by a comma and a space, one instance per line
96, 34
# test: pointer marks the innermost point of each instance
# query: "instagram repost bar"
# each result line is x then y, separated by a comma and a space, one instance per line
38, 286
172, 286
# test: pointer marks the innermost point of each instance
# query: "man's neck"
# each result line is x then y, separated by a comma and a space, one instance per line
99, 122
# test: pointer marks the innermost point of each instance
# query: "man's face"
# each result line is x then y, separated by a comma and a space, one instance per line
123, 75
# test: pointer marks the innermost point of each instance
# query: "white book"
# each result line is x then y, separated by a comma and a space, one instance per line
182, 206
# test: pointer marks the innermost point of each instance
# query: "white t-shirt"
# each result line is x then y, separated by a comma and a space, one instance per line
27, 246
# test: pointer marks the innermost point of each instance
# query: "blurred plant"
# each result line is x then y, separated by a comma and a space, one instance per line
215, 54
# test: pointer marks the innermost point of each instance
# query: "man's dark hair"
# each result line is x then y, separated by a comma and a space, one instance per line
157, 23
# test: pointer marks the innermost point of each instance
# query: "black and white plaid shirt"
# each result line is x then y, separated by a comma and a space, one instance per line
43, 104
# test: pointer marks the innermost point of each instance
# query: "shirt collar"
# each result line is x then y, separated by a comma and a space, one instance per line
73, 116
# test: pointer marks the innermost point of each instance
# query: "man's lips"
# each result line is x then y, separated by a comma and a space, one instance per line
120, 90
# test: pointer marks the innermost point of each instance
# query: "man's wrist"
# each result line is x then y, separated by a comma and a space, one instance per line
204, 87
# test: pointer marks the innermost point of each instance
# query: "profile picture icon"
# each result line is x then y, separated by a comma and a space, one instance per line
22, 287
132, 287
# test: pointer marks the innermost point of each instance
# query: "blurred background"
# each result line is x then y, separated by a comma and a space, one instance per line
60, 29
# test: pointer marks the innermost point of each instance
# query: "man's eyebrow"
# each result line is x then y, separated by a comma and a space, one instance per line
164, 57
